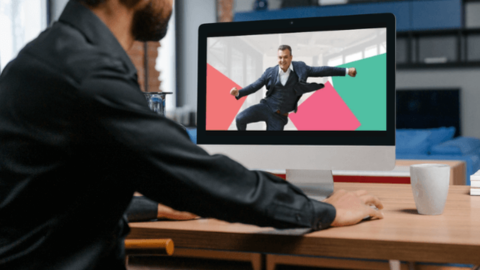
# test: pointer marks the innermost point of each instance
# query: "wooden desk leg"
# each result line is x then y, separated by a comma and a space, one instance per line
270, 263
273, 260
257, 261
394, 264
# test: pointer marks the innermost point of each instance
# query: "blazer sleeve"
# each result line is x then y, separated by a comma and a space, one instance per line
172, 170
141, 209
254, 87
325, 71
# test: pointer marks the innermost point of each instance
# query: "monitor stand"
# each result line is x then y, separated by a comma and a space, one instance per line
316, 184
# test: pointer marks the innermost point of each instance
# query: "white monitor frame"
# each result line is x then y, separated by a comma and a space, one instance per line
315, 157
303, 150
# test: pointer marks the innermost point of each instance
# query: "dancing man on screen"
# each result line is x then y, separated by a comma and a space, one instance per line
286, 83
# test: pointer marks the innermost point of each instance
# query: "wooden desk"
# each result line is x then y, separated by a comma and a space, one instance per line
399, 175
453, 237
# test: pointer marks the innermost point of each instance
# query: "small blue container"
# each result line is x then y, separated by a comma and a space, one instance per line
156, 101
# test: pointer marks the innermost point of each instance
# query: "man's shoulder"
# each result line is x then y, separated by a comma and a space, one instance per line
271, 69
300, 68
299, 64
67, 51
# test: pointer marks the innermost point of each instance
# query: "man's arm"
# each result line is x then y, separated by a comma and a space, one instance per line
141, 209
174, 171
144, 209
250, 89
326, 71
304, 87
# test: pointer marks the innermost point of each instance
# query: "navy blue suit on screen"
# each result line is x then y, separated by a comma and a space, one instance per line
281, 99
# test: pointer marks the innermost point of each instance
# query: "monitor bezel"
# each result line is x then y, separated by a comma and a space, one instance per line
385, 138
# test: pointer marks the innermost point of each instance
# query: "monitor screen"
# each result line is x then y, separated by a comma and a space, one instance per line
335, 102
313, 81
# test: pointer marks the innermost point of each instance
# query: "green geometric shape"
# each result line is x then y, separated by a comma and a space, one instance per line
366, 94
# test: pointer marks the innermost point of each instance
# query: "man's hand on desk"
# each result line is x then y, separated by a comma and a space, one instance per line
167, 212
163, 211
353, 207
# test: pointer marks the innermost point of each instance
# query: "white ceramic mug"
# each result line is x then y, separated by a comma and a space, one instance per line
430, 184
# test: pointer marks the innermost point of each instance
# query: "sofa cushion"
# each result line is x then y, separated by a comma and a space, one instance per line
458, 146
440, 135
412, 141
421, 141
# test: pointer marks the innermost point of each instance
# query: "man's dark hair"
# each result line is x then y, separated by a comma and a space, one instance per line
94, 3
285, 47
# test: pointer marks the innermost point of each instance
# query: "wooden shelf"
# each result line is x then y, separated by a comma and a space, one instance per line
410, 56
474, 64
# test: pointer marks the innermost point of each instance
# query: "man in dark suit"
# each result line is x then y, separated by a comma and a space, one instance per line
78, 139
286, 83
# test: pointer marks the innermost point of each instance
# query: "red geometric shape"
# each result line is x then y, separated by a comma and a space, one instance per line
324, 110
221, 106
371, 179
364, 179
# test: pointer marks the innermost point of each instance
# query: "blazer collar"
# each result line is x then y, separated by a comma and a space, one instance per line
276, 74
95, 31
294, 65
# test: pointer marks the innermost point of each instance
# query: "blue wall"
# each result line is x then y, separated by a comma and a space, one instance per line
411, 15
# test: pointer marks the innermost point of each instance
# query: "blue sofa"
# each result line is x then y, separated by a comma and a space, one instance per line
438, 144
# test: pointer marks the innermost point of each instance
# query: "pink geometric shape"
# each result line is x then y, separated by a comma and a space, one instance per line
324, 110
221, 106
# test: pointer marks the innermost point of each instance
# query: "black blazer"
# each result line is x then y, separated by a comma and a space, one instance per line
78, 139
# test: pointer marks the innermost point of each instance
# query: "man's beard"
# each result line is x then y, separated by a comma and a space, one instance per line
149, 26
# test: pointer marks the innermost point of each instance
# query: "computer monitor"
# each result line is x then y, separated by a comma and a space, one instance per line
312, 119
